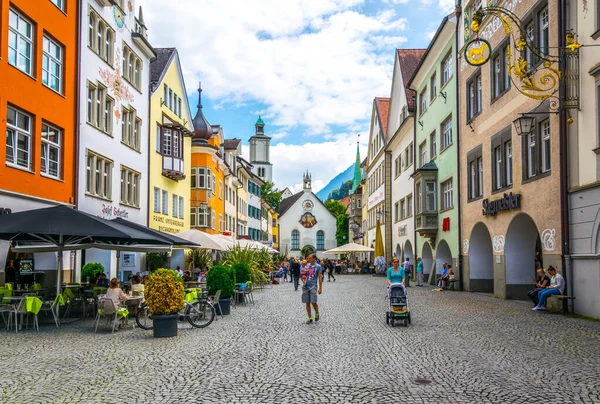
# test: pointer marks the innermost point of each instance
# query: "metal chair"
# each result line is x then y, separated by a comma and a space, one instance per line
239, 292
50, 306
214, 302
248, 292
10, 310
106, 308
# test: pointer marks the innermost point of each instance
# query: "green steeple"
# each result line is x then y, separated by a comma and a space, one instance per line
260, 121
357, 171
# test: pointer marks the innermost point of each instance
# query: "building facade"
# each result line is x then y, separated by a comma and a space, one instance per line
171, 145
244, 173
114, 114
255, 217
510, 184
38, 104
400, 147
230, 150
305, 224
435, 175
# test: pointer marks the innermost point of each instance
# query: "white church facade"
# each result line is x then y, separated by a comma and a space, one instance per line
305, 224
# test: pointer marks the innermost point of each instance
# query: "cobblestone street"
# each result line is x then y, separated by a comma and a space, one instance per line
471, 347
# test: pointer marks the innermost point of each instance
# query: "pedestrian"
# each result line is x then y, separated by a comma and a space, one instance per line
330, 271
395, 273
557, 287
313, 286
419, 272
408, 270
295, 269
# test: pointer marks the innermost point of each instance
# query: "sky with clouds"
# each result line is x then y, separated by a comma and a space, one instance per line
311, 68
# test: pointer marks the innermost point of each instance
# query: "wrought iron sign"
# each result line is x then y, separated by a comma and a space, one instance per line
538, 74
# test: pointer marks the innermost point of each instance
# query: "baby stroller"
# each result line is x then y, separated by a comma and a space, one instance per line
398, 310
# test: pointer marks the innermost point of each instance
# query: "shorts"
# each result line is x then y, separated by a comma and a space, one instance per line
309, 295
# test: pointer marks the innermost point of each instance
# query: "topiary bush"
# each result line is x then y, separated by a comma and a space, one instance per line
164, 292
90, 270
242, 272
221, 277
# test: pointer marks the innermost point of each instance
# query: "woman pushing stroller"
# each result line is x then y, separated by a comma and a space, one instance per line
398, 302
396, 274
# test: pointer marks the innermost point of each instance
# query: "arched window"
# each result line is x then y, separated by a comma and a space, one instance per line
320, 240
295, 240
125, 56
138, 69
91, 34
130, 76
100, 38
108, 47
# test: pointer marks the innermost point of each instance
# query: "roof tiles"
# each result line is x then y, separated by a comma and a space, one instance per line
409, 61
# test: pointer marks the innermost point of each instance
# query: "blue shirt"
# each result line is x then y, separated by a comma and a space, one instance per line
312, 276
396, 277
420, 266
444, 271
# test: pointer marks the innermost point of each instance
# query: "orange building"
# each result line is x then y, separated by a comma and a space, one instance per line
38, 103
207, 201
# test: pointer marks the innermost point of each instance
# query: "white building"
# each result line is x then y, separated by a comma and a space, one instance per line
260, 153
378, 207
114, 114
231, 148
254, 214
400, 147
305, 223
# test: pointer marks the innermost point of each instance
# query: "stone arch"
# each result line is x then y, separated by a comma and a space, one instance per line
481, 260
522, 240
427, 258
398, 253
408, 252
443, 254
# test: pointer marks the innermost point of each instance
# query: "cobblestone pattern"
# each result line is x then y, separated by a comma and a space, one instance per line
473, 348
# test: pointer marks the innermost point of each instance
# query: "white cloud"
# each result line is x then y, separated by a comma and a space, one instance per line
311, 63
446, 5
430, 34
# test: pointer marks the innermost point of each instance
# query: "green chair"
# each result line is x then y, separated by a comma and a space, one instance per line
6, 291
31, 305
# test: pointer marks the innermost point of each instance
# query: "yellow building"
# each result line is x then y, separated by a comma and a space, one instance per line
207, 202
170, 154
274, 228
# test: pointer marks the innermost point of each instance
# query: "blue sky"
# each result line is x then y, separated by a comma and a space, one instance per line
311, 67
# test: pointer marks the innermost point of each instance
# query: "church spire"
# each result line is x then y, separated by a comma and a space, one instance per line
357, 171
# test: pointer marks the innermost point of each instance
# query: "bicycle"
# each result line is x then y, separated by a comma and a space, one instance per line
199, 314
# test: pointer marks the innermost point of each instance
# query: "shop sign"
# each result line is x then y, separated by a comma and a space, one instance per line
508, 202
376, 197
402, 230
108, 211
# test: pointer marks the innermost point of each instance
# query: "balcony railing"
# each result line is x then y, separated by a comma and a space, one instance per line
173, 168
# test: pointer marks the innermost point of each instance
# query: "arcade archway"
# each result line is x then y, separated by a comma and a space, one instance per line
481, 260
442, 254
522, 241
427, 258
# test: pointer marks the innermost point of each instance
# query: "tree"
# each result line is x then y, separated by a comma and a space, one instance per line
271, 194
341, 220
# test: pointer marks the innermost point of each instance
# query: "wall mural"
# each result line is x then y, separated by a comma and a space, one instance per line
498, 243
465, 246
308, 220
549, 239
116, 85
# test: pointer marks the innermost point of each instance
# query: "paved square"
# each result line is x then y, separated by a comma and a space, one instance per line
473, 348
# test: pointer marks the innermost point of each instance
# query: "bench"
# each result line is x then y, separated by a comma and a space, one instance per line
559, 303
451, 282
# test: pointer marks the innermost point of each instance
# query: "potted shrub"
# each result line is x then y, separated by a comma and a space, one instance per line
221, 278
90, 270
164, 297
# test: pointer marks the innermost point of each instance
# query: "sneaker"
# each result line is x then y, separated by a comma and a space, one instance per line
309, 321
317, 316
541, 308
536, 308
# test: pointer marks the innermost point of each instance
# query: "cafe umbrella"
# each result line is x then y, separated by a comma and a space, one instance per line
63, 226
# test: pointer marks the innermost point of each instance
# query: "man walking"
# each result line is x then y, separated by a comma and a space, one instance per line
295, 270
408, 271
419, 272
313, 286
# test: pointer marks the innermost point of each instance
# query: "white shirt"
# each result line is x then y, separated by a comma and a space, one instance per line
558, 282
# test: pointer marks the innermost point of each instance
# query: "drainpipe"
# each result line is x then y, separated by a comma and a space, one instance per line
564, 164
77, 111
458, 12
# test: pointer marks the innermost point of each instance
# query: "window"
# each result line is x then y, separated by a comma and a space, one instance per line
130, 187
408, 155
220, 189
530, 39
295, 240
320, 240
157, 200
131, 129
397, 211
433, 87
402, 208
397, 166
545, 142
18, 139
423, 154
59, 3
99, 173
475, 173
220, 223
497, 156
193, 211
99, 107
432, 145
544, 43
447, 68
165, 202
474, 96
214, 184
132, 67
103, 34
167, 144
419, 197
52, 60
204, 217
430, 196
409, 206
508, 163
446, 133
181, 206
500, 72
213, 220
51, 143
175, 208
447, 195
531, 151
423, 101
20, 42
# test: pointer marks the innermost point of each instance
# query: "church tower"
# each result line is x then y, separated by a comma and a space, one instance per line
260, 152
307, 182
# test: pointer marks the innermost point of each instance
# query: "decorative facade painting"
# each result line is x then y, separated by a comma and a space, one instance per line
549, 239
116, 85
308, 220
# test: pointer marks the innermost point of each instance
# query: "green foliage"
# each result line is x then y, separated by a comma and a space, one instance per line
342, 192
156, 260
221, 277
164, 292
342, 233
271, 194
254, 259
242, 272
89, 271
277, 259
335, 207
200, 258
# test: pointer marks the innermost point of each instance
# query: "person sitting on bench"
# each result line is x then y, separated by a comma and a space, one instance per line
557, 287
541, 283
